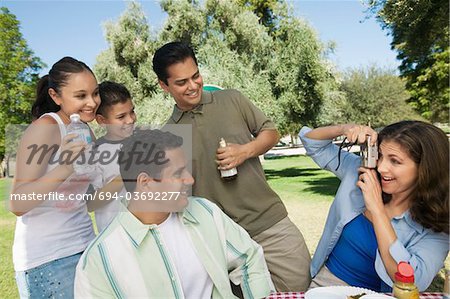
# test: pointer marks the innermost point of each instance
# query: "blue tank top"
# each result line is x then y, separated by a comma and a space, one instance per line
353, 257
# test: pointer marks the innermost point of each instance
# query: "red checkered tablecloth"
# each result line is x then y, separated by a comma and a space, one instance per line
301, 295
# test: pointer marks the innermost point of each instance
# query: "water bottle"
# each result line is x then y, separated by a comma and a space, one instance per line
404, 287
229, 174
81, 165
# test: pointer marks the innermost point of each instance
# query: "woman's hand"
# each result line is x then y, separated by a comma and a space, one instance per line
358, 134
371, 189
70, 150
379, 216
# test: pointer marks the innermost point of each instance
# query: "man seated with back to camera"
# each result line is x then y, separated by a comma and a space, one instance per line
185, 247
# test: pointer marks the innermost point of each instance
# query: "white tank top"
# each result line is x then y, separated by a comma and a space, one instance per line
53, 229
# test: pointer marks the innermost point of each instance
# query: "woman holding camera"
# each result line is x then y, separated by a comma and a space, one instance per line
379, 217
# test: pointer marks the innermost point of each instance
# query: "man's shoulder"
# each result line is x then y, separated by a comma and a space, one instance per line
229, 100
227, 94
196, 202
92, 252
201, 205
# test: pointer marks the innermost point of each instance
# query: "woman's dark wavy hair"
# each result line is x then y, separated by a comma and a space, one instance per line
57, 77
428, 146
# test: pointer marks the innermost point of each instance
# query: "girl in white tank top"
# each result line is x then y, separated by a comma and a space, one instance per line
53, 226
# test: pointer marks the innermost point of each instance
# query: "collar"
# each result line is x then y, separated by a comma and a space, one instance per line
187, 214
103, 140
408, 219
206, 98
137, 231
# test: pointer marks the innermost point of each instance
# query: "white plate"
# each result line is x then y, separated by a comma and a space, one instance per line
377, 296
335, 292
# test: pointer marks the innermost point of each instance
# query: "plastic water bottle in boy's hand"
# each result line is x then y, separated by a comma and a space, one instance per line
81, 165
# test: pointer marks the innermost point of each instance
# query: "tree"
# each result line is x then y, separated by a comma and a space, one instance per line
431, 89
270, 55
265, 10
299, 73
420, 35
376, 96
19, 71
128, 61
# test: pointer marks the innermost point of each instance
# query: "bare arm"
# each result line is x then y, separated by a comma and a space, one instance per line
380, 215
113, 187
31, 176
386, 236
235, 154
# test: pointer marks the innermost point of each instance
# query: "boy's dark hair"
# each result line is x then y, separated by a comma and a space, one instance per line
111, 93
169, 54
144, 151
57, 77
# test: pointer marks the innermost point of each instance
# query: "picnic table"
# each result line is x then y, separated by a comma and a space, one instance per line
301, 295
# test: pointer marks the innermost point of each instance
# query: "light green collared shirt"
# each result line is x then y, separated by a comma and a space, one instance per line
129, 259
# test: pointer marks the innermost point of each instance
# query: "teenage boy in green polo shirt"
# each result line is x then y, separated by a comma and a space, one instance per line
247, 199
166, 244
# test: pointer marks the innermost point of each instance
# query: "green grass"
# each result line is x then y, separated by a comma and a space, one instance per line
8, 287
298, 178
306, 191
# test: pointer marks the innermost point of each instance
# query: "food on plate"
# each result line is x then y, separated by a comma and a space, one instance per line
356, 296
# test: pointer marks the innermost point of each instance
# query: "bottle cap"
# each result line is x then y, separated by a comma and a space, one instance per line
75, 117
405, 273
222, 143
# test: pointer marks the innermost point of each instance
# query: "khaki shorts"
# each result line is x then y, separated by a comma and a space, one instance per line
287, 256
325, 278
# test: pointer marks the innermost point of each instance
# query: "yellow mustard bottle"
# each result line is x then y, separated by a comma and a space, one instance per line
404, 287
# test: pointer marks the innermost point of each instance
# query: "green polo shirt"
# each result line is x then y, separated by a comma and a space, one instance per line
248, 199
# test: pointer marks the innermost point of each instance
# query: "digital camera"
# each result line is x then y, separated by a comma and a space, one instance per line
369, 154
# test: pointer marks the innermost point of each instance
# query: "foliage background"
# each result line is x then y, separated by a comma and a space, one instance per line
19, 70
260, 48
272, 56
420, 35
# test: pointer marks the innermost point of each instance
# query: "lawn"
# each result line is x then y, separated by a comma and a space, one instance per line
7, 223
306, 191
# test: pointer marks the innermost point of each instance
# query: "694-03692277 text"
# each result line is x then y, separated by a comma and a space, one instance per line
157, 196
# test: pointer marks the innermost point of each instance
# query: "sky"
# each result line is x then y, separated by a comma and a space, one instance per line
54, 29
